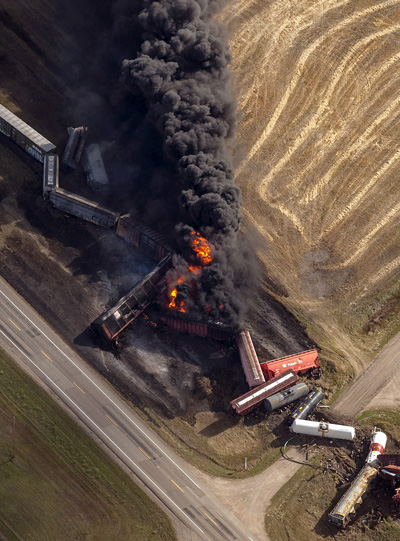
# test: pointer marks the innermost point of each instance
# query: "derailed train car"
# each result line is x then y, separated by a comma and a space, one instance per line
306, 406
286, 397
74, 147
305, 362
253, 399
144, 238
209, 328
83, 208
248, 358
24, 135
50, 174
112, 322
354, 495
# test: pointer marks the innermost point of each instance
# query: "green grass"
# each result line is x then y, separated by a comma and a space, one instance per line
386, 420
299, 512
61, 485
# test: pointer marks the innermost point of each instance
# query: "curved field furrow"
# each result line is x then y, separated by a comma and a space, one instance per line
351, 150
350, 59
301, 67
287, 31
319, 87
372, 89
362, 192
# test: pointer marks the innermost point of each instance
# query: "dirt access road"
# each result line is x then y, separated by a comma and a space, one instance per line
377, 386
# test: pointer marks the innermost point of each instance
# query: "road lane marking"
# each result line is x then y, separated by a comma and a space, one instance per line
47, 357
177, 485
209, 518
78, 387
112, 420
102, 392
144, 452
100, 430
15, 325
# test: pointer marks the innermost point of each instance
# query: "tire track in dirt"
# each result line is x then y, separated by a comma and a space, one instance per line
301, 65
348, 63
384, 272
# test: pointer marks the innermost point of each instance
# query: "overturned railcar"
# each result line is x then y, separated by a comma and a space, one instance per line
248, 358
110, 324
306, 406
83, 208
286, 397
23, 135
74, 147
96, 173
253, 399
347, 505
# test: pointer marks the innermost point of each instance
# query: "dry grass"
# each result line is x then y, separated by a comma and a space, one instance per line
317, 85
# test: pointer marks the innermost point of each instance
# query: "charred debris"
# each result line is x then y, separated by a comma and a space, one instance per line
184, 77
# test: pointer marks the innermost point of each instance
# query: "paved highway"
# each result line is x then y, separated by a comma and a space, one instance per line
27, 337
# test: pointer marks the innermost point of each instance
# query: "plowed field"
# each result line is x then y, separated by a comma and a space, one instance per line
318, 85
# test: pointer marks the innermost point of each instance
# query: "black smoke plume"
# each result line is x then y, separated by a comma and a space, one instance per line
182, 71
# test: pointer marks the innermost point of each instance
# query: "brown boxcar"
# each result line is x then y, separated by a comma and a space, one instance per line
144, 238
211, 329
251, 400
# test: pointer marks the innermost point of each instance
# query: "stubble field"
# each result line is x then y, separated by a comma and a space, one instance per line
318, 86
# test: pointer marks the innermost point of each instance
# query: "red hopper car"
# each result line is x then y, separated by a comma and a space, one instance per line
306, 361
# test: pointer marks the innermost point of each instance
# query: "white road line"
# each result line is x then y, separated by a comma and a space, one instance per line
100, 430
110, 399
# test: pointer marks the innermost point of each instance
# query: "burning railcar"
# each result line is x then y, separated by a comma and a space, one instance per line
110, 324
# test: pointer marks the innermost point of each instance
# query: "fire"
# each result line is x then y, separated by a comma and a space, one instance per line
193, 269
201, 248
174, 304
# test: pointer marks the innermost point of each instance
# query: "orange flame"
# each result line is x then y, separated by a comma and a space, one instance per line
201, 248
174, 304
